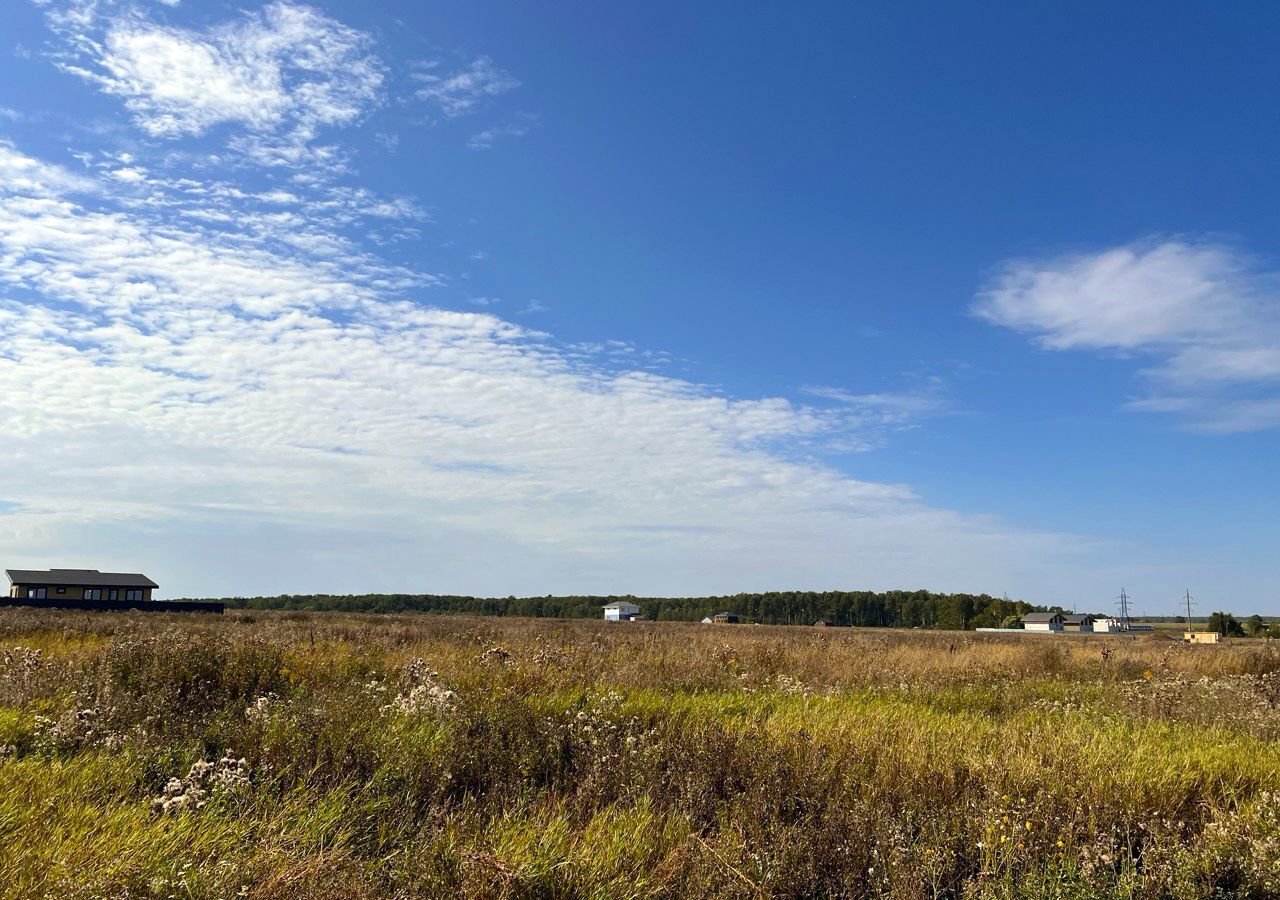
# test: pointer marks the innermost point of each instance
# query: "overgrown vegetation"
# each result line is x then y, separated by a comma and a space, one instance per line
867, 609
284, 755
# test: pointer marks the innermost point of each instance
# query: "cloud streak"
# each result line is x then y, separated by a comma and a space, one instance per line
518, 127
465, 90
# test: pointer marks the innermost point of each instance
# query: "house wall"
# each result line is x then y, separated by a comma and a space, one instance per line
1042, 626
71, 592
202, 606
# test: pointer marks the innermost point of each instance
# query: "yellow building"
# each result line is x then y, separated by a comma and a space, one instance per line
1201, 637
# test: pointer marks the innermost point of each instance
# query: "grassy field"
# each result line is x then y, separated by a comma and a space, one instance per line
323, 756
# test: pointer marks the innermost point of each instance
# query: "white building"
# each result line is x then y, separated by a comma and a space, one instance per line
1050, 621
1107, 625
621, 611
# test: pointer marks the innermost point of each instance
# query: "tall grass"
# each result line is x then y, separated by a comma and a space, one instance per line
323, 755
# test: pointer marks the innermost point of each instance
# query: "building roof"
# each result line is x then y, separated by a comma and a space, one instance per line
1041, 617
619, 604
1073, 619
78, 578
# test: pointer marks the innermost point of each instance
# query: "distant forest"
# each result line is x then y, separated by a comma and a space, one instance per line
890, 609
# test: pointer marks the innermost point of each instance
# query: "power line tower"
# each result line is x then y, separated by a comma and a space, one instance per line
1189, 605
1123, 604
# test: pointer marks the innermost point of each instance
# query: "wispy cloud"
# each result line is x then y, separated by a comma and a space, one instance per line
1204, 315
23, 176
518, 127
894, 409
278, 76
466, 90
172, 373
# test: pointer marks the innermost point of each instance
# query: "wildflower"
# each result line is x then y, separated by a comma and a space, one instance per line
425, 694
499, 656
261, 709
227, 776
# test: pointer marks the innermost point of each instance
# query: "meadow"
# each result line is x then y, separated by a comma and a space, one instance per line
323, 755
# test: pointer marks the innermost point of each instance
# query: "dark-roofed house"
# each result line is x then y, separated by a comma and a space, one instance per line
79, 584
1073, 622
1046, 621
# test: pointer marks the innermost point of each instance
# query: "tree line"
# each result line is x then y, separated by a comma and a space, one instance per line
887, 609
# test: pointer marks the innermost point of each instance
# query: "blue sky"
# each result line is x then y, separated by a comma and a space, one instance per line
500, 298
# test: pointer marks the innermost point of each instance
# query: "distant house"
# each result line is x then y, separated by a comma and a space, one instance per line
1107, 625
621, 611
823, 623
79, 584
1081, 623
1049, 621
724, 618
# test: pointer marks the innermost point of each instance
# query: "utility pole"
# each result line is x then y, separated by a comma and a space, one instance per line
1189, 605
1124, 610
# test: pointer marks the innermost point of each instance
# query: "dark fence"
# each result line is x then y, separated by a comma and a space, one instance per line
204, 606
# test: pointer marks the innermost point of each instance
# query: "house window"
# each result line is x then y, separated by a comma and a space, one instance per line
133, 596
113, 594
62, 590
93, 593
37, 593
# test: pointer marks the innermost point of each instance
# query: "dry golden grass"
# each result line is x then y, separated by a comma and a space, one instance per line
324, 755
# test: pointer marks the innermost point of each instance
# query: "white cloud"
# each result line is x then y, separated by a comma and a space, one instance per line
906, 408
172, 386
519, 127
466, 90
279, 75
22, 175
1204, 316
